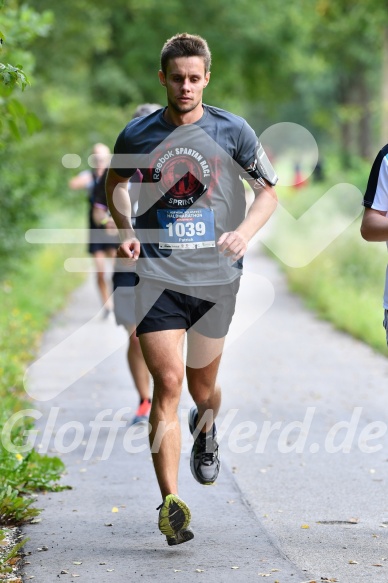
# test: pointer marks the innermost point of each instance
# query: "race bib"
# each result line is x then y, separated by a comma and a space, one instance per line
190, 229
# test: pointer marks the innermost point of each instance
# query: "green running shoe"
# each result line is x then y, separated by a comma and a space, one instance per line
174, 519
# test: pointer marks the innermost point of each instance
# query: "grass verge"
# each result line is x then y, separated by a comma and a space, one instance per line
29, 296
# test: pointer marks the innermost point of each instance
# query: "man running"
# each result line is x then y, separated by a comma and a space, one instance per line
191, 235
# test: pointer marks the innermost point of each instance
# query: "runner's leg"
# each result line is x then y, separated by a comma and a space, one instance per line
99, 260
137, 365
163, 354
203, 360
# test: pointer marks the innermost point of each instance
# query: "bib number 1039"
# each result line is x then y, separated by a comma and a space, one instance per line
186, 229
190, 229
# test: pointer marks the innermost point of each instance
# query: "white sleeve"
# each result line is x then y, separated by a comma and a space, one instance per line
380, 201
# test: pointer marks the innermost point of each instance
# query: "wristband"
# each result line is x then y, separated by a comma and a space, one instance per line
104, 222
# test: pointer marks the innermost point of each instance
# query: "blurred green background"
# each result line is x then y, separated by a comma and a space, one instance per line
322, 64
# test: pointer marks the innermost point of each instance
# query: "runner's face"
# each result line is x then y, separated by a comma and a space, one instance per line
185, 81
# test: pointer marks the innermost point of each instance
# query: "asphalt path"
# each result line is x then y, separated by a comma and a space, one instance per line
301, 494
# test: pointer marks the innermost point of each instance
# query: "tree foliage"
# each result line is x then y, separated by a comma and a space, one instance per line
89, 63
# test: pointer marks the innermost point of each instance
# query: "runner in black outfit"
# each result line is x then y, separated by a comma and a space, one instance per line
101, 246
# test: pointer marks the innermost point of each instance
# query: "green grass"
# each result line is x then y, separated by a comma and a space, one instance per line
29, 296
344, 284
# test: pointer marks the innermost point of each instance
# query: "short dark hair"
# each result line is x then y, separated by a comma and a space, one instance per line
185, 45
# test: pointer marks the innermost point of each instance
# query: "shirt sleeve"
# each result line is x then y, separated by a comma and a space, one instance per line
246, 146
376, 194
121, 156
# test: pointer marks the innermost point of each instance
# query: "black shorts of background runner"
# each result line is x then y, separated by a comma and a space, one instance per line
124, 283
208, 309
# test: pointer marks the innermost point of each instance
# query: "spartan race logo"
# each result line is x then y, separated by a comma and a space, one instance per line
182, 175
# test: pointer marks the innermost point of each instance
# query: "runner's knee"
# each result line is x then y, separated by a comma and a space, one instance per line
167, 383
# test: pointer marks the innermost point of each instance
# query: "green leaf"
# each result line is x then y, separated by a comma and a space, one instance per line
33, 123
15, 108
14, 129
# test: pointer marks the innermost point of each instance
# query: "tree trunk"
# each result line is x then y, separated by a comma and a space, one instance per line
346, 97
365, 120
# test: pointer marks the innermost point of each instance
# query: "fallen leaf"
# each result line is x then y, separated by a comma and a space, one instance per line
353, 563
177, 570
75, 575
274, 570
235, 567
108, 524
199, 570
377, 565
110, 570
305, 526
115, 509
64, 572
77, 562
103, 563
264, 574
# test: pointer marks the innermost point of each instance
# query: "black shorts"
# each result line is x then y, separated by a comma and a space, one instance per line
208, 309
95, 247
124, 283
100, 239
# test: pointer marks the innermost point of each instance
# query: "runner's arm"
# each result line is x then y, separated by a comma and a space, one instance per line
119, 205
235, 243
374, 226
81, 181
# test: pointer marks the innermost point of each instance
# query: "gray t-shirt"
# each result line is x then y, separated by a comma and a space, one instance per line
191, 193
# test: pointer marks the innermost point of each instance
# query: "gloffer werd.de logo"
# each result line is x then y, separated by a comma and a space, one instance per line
182, 175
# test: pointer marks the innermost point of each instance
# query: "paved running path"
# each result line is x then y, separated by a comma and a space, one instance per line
286, 367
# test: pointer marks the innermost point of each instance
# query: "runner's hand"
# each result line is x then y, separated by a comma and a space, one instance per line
129, 250
232, 244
